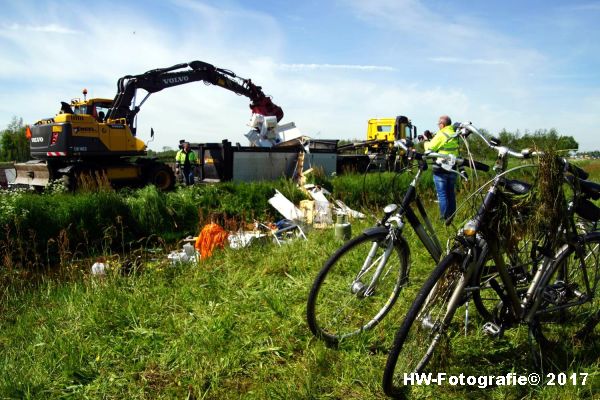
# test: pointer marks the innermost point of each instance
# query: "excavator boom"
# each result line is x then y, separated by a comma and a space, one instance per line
161, 78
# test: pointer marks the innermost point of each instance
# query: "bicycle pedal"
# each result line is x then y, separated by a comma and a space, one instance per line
491, 329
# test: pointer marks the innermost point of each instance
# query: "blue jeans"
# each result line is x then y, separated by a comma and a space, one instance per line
188, 175
445, 185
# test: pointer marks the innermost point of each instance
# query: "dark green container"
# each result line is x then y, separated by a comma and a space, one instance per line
343, 229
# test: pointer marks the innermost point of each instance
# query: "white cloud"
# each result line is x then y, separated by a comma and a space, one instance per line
298, 67
474, 61
50, 28
450, 37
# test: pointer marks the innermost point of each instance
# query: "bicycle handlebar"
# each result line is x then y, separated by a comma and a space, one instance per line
525, 153
460, 162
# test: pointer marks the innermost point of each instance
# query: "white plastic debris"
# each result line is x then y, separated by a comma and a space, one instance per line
238, 240
287, 231
263, 133
285, 207
323, 205
99, 269
312, 188
344, 209
322, 213
187, 254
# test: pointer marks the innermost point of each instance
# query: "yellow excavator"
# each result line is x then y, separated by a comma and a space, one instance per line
96, 137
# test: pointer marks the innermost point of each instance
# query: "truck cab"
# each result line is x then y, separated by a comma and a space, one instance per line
390, 129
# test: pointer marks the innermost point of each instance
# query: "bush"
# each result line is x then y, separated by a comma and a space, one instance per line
377, 189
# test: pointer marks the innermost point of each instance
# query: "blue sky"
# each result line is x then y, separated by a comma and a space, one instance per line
331, 65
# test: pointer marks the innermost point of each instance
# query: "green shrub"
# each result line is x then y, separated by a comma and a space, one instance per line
149, 210
377, 189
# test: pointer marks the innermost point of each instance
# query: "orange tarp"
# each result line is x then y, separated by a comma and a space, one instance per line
210, 237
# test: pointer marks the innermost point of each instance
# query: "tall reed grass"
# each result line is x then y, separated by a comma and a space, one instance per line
41, 230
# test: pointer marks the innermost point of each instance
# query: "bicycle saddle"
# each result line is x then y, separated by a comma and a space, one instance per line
517, 187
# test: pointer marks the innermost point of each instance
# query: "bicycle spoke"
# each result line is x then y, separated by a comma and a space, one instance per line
422, 341
568, 315
346, 298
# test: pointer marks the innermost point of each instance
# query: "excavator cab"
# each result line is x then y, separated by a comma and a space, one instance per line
97, 108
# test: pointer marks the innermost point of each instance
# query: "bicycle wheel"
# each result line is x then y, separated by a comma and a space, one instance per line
344, 300
569, 312
422, 339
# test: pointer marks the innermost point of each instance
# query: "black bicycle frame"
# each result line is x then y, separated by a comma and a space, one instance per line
424, 230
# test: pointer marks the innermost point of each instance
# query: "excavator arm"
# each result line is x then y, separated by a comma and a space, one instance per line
158, 79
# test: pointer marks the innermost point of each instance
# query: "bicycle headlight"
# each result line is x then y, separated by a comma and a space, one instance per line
470, 228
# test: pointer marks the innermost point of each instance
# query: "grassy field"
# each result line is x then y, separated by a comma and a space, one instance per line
230, 327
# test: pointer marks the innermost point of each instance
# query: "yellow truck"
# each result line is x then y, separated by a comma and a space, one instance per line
389, 129
379, 152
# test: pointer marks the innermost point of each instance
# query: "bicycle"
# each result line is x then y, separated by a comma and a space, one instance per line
424, 334
582, 217
359, 284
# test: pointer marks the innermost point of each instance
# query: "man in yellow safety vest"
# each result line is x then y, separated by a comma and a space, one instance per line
445, 141
186, 159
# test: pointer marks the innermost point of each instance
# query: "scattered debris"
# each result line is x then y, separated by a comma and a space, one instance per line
280, 232
99, 269
316, 212
322, 212
324, 206
286, 231
285, 207
308, 210
240, 239
348, 211
212, 236
187, 254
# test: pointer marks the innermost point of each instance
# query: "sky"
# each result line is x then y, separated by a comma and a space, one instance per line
331, 65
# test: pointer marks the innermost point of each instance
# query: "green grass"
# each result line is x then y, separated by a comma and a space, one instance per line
42, 231
230, 327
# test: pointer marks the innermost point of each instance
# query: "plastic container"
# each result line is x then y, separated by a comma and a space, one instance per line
343, 229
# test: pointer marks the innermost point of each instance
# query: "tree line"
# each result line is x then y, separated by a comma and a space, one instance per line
14, 145
541, 139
